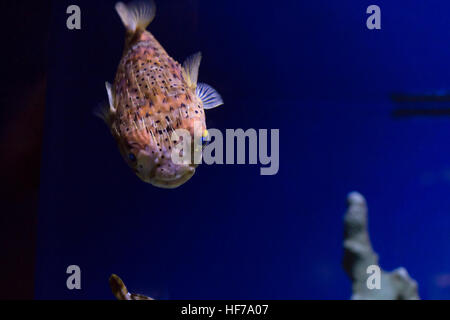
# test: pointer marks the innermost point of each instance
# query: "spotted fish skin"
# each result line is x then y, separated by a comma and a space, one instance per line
152, 96
153, 99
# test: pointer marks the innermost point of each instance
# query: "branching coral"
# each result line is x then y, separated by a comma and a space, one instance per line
120, 291
359, 256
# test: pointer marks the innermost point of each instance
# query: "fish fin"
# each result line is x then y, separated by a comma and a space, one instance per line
191, 66
136, 15
110, 96
106, 111
103, 111
209, 96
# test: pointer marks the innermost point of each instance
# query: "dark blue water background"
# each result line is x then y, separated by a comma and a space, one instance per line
309, 68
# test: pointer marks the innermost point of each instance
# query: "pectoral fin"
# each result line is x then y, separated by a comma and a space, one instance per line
209, 96
106, 111
110, 97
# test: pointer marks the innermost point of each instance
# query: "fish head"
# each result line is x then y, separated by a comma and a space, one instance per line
160, 171
153, 162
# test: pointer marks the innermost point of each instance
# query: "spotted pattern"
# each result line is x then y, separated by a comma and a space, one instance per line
152, 99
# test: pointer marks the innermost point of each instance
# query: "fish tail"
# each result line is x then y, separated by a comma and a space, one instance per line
136, 15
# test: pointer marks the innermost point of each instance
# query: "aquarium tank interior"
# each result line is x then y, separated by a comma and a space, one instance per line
344, 111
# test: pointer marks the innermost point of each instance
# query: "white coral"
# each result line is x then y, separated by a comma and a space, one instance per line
359, 255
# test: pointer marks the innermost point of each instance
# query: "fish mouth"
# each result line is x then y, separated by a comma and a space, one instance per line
172, 183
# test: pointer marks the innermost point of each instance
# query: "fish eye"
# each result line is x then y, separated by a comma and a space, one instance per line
132, 157
205, 141
205, 138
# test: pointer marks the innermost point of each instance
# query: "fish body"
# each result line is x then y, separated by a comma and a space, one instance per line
152, 96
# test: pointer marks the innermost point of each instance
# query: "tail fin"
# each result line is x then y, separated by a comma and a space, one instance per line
136, 15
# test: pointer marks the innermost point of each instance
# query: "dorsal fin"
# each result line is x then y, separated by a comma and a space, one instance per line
136, 15
191, 65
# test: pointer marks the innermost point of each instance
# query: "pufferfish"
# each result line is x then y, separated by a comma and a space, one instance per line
151, 97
